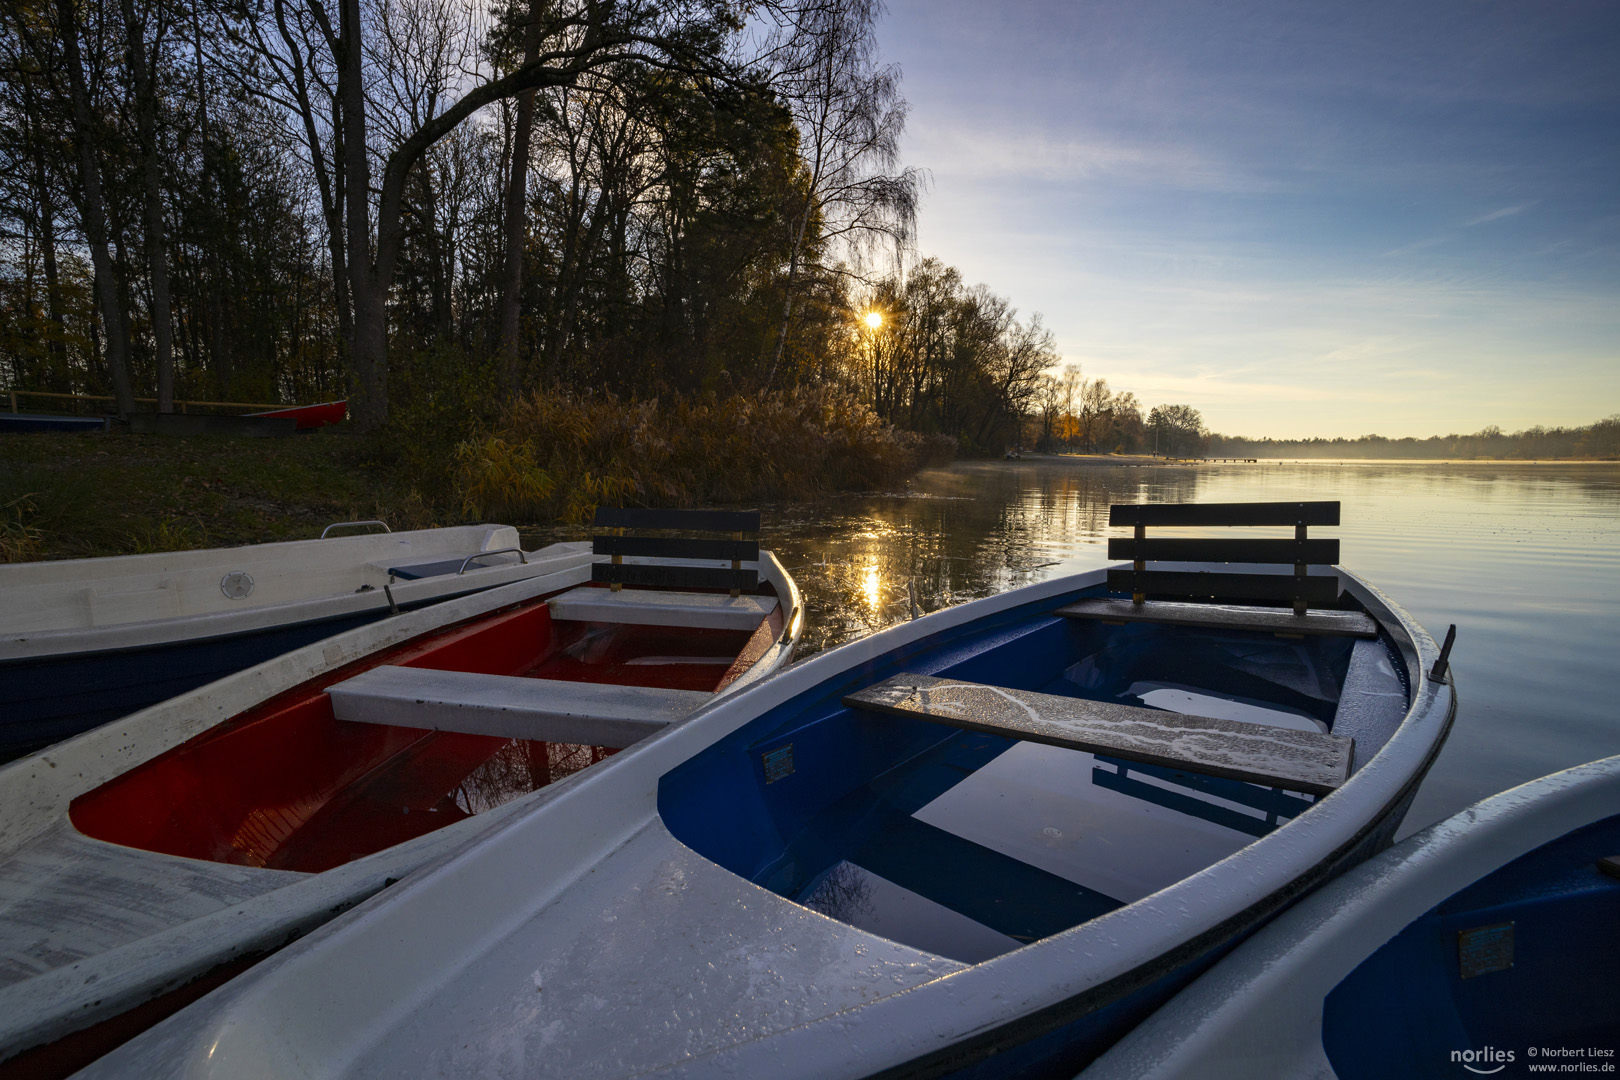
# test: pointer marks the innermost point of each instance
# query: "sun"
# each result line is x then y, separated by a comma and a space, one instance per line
874, 319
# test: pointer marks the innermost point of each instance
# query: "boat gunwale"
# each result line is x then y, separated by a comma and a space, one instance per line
23, 647
1249, 884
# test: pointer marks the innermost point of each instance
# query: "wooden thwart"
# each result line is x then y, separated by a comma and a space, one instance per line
550, 710
648, 607
1225, 617
663, 575
737, 548
1211, 549
1307, 761
1187, 514
1204, 585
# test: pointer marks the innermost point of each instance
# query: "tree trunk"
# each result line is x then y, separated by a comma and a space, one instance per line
368, 286
95, 214
157, 246
517, 191
787, 302
53, 283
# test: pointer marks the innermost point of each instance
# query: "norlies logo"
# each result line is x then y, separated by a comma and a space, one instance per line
1487, 1056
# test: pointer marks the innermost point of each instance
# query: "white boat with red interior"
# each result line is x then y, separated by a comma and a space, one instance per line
146, 861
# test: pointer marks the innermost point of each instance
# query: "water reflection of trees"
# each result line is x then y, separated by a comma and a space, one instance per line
845, 895
519, 767
971, 531
981, 528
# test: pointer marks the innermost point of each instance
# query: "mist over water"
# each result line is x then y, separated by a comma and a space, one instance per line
1525, 559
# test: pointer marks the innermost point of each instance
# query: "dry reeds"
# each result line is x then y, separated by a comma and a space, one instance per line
677, 451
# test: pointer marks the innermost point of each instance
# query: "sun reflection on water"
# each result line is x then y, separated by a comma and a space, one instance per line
872, 587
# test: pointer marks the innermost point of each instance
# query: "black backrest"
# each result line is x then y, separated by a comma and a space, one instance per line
628, 523
1301, 552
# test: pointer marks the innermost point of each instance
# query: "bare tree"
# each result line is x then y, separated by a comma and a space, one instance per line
88, 138
1096, 404
143, 67
850, 116
1072, 383
516, 215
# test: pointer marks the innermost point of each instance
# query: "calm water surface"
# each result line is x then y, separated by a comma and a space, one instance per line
1525, 559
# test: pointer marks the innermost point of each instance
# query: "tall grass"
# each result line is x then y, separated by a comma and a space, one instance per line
679, 451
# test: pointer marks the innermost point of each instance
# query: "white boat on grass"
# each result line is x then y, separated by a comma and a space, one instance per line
152, 858
84, 641
983, 843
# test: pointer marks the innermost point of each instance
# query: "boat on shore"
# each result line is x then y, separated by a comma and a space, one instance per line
145, 861
84, 641
1487, 941
310, 417
986, 842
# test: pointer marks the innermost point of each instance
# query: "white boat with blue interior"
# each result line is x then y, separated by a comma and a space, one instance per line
1485, 944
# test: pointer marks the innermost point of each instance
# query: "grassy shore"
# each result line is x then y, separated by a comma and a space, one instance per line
65, 496
551, 458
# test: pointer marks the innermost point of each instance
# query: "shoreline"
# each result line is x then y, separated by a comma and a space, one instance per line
1150, 461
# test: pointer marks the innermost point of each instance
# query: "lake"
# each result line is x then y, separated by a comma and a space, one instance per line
1524, 558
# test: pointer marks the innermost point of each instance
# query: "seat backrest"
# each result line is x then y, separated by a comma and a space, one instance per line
630, 524
1301, 552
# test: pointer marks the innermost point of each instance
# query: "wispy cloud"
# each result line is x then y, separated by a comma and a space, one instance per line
1496, 215
1002, 154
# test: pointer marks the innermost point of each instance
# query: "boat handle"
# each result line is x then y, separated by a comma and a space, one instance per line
348, 524
787, 627
524, 559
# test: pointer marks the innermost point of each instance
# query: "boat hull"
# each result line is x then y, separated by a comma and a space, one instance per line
1482, 936
54, 698
96, 639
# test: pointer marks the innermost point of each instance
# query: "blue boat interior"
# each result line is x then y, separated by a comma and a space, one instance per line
1523, 958
969, 844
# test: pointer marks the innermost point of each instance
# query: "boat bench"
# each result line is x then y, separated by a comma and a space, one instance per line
654, 603
549, 710
1309, 761
1300, 590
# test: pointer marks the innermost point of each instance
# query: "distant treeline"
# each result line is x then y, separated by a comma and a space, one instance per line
1599, 440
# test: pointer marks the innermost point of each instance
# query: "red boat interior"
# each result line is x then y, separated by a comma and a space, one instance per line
287, 786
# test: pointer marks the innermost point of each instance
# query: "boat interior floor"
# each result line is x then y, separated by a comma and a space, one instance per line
65, 897
972, 818
291, 785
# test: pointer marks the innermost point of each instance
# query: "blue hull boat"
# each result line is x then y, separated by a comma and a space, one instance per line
26, 423
85, 641
1484, 945
984, 843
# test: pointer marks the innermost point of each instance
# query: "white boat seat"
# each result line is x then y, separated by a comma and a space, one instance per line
1308, 761
550, 710
654, 607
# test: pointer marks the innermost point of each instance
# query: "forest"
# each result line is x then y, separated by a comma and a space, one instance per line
442, 209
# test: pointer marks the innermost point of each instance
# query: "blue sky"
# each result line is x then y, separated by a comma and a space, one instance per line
1300, 218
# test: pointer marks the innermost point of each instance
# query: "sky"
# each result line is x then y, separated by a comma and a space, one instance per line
1301, 218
